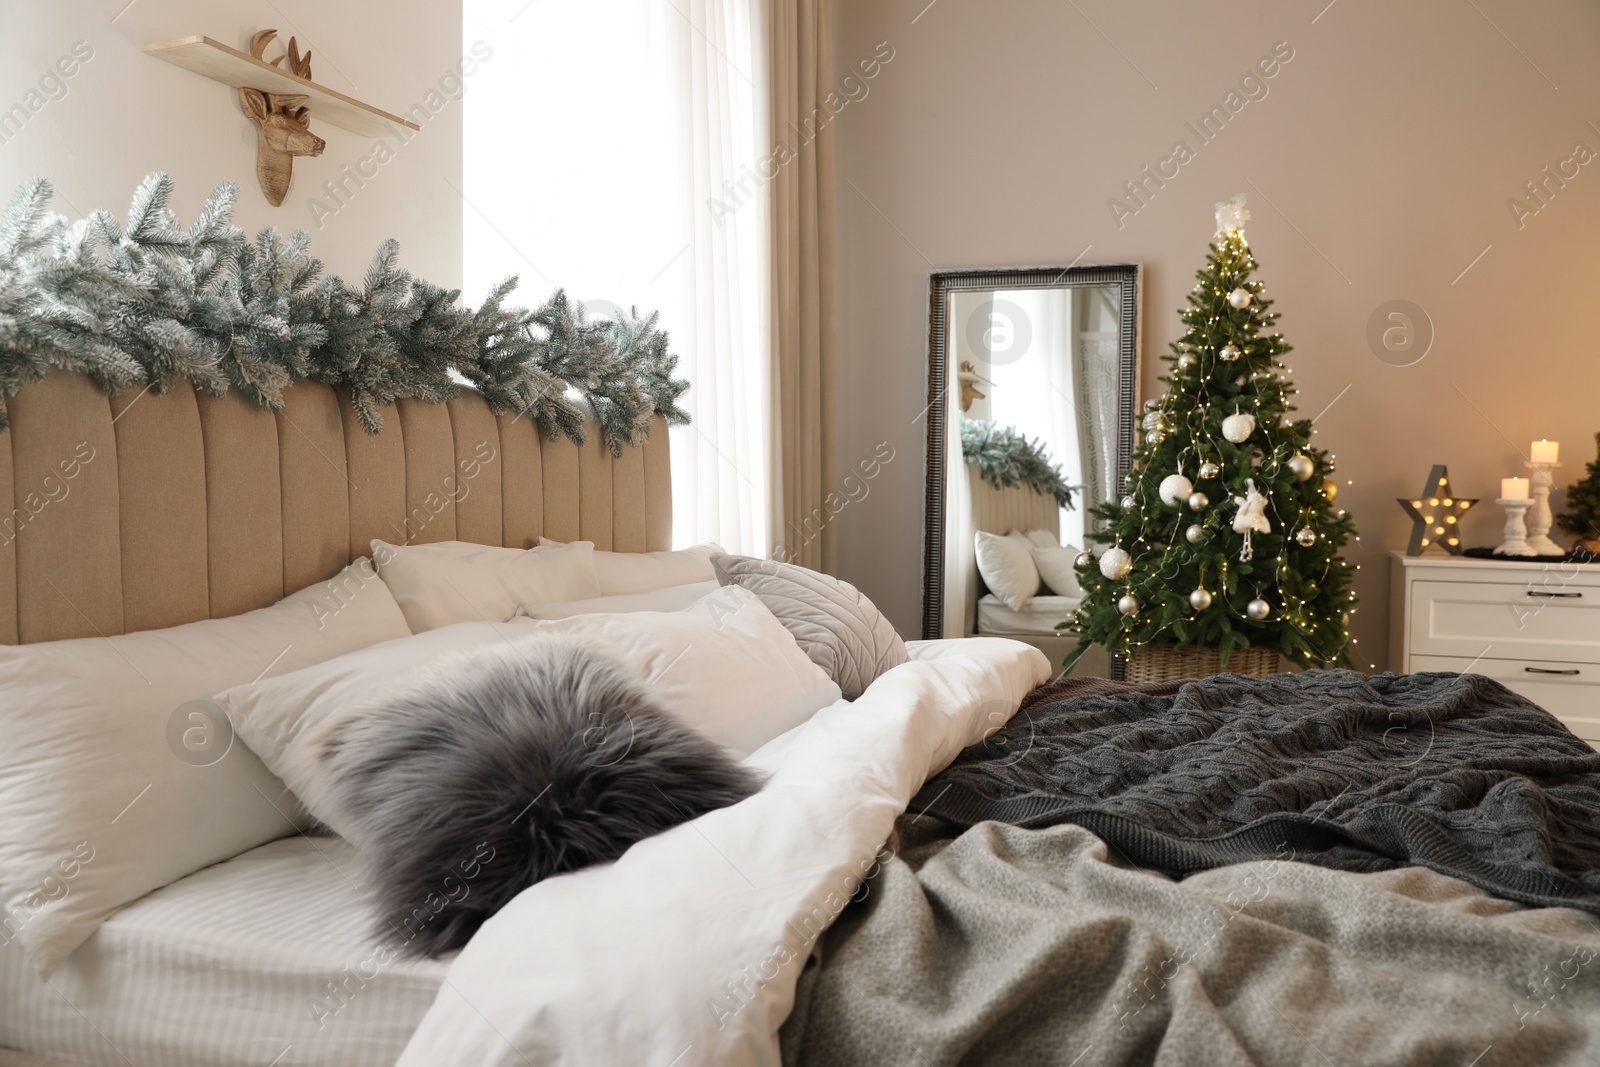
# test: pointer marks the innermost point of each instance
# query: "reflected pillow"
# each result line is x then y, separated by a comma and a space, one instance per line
1007, 567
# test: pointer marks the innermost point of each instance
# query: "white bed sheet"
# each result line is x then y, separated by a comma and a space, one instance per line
685, 951
229, 966
1037, 616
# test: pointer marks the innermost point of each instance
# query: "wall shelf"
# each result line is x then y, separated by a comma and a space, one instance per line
243, 71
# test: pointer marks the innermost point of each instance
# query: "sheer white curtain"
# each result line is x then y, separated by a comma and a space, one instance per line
610, 150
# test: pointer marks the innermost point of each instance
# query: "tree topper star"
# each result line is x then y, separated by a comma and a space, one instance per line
1232, 216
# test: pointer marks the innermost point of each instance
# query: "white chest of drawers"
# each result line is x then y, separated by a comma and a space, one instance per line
1533, 627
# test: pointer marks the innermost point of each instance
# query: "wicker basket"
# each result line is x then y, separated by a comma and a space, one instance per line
1166, 663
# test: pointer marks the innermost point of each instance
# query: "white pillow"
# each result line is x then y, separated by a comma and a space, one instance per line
725, 666
113, 784
1006, 564
672, 598
1055, 565
456, 581
624, 573
1040, 538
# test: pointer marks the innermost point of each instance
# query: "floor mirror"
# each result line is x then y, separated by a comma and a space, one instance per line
1032, 399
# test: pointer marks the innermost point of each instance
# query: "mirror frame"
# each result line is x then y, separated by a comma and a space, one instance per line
1125, 277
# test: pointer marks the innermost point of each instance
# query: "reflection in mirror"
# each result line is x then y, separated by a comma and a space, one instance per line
1032, 380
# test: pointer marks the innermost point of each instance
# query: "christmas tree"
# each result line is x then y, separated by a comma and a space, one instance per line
1582, 516
1228, 536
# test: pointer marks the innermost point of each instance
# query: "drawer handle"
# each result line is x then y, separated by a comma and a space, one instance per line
1546, 670
1540, 592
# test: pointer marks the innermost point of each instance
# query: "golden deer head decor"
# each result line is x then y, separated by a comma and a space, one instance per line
282, 122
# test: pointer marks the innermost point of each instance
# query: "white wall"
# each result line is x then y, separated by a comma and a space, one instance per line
123, 114
1388, 146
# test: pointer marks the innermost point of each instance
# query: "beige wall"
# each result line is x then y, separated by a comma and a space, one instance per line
124, 114
1378, 166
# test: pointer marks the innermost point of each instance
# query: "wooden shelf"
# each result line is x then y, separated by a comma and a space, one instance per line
243, 71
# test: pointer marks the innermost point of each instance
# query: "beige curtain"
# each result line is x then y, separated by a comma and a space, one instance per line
801, 411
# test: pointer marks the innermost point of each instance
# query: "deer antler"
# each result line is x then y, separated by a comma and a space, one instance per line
259, 42
299, 66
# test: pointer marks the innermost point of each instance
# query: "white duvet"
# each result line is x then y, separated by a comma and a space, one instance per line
687, 949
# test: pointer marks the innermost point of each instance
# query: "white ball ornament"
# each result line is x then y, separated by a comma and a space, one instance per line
1115, 563
1238, 427
1301, 467
1258, 609
1198, 501
1175, 488
1200, 599
1195, 534
1239, 298
1128, 604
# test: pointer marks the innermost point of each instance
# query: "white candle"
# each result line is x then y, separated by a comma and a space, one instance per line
1513, 488
1545, 451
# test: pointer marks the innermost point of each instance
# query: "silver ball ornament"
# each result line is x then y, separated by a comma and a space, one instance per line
1127, 503
1128, 604
1239, 298
1195, 534
1185, 361
1153, 437
1306, 537
1198, 501
1151, 405
1258, 609
1200, 599
1301, 467
1209, 470
1083, 559
1229, 353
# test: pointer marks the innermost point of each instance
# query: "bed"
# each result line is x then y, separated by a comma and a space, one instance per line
913, 883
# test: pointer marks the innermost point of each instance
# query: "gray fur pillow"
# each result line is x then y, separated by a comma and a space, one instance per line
510, 764
840, 629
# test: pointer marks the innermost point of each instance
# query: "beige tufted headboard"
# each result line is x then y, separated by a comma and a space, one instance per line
139, 511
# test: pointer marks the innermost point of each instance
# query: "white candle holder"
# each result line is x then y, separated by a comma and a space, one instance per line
1516, 532
1539, 517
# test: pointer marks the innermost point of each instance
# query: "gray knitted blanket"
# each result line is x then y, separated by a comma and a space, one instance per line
1008, 947
979, 943
1451, 772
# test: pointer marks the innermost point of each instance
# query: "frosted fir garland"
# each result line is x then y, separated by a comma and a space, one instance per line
1006, 458
154, 303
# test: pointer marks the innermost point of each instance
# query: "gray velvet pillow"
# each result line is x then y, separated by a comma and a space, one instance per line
838, 628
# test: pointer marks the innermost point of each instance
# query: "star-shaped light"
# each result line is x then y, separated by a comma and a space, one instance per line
1231, 216
1437, 514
